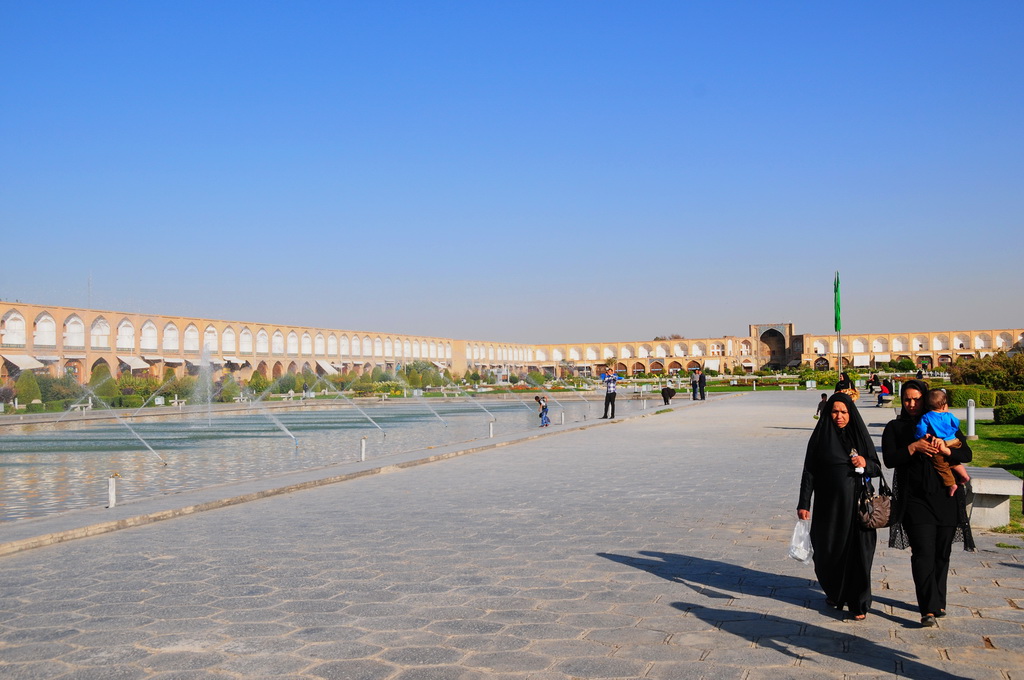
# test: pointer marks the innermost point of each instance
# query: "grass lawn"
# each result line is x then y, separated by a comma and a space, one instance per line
1002, 446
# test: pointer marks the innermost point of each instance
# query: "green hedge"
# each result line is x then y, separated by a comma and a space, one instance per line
986, 398
1011, 414
35, 408
132, 401
958, 396
1004, 398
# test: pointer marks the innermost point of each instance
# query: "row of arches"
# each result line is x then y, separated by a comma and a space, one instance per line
100, 335
604, 352
919, 343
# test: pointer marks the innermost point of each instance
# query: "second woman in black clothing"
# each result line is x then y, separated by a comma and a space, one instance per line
843, 551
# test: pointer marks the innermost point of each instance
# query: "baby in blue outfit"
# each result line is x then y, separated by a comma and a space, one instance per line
943, 426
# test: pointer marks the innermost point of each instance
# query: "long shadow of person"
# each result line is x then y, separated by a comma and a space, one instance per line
720, 580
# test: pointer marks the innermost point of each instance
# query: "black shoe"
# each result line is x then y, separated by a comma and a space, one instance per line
942, 612
603, 418
928, 621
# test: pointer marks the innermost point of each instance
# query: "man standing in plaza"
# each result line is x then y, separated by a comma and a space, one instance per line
702, 382
610, 378
694, 383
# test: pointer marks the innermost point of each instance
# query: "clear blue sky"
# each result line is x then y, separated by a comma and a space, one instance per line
517, 171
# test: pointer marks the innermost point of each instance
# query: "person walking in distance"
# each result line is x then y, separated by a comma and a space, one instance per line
610, 378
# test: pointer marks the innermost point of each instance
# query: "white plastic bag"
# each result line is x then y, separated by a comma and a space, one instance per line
800, 546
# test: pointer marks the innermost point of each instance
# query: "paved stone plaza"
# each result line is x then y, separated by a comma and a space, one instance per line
646, 547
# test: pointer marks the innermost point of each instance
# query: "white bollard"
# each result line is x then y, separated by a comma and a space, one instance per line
563, 418
112, 490
970, 420
362, 449
490, 429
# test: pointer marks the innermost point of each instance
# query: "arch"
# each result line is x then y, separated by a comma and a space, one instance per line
773, 346
940, 342
261, 368
592, 353
292, 344
880, 344
277, 343
227, 340
860, 345
306, 344
698, 349
262, 341
190, 341
627, 352
12, 328
45, 332
367, 346
716, 349
982, 341
674, 367
821, 364
74, 332
293, 368
245, 342
661, 350
746, 349
845, 346
171, 339
657, 367
210, 338
97, 363
332, 345
692, 365
575, 353
344, 346
900, 344
638, 367
99, 334
542, 354
644, 351
608, 352
378, 347
680, 349
319, 344
820, 346
448, 350
962, 341
920, 343
149, 340
1004, 341
278, 370
389, 347
125, 335
557, 354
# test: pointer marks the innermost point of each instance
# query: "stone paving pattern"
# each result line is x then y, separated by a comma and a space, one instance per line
649, 547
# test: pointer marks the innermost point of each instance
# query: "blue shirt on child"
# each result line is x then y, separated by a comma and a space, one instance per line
942, 424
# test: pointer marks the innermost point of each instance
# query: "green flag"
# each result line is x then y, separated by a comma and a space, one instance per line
839, 322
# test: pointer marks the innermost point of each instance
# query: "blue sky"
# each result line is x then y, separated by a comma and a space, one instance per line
517, 171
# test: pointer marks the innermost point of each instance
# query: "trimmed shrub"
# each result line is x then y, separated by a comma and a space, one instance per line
35, 408
986, 398
958, 396
103, 384
1011, 414
1004, 398
27, 388
132, 401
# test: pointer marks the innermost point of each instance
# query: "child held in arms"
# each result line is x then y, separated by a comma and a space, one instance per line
940, 424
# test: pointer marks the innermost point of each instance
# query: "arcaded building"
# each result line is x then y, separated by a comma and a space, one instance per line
73, 341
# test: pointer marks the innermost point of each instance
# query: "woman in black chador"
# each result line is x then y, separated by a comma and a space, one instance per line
928, 519
843, 551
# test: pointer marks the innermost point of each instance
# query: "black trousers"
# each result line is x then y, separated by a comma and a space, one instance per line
930, 546
609, 401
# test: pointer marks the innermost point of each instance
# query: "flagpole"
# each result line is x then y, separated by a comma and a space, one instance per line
839, 327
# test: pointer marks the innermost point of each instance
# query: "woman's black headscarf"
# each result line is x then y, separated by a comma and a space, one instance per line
831, 445
922, 387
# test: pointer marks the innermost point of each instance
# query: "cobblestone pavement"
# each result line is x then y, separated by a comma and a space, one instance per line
651, 547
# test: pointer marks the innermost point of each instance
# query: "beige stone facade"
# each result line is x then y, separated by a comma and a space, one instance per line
67, 340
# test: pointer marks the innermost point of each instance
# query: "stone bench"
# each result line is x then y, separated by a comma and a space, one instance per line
992, 490
80, 407
783, 387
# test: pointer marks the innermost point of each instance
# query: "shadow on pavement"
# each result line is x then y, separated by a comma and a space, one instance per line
723, 581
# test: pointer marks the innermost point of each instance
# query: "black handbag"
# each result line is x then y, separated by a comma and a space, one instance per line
874, 511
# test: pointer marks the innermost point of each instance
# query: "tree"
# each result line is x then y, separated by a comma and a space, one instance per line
27, 388
229, 389
102, 383
258, 383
